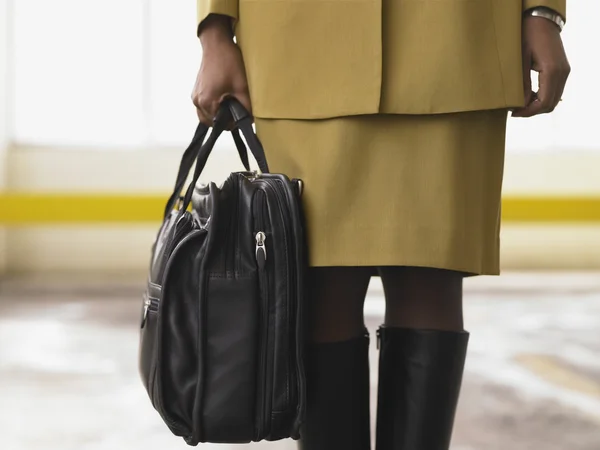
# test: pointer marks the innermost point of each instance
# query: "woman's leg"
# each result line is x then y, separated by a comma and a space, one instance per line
337, 360
422, 356
423, 298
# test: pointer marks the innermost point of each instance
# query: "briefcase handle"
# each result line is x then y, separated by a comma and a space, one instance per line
198, 150
232, 109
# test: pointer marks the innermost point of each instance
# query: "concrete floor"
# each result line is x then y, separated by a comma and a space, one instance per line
68, 374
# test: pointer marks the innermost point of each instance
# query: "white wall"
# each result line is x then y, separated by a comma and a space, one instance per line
116, 74
4, 67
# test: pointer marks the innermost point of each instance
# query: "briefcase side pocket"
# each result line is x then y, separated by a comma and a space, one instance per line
177, 369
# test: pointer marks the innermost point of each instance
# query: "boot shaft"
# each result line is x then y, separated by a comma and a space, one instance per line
420, 374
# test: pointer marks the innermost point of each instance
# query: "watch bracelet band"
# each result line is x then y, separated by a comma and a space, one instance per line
547, 13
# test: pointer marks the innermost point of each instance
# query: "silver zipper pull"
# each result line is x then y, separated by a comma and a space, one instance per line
146, 307
204, 226
261, 249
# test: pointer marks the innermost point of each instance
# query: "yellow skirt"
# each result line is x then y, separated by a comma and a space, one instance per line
395, 190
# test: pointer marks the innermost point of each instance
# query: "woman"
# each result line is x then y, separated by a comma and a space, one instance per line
393, 112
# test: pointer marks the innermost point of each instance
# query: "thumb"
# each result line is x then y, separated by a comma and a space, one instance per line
527, 90
527, 66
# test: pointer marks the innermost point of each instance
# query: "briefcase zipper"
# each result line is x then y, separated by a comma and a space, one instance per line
294, 376
298, 378
261, 260
264, 363
291, 274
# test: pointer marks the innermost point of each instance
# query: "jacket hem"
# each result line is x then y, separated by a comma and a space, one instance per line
362, 112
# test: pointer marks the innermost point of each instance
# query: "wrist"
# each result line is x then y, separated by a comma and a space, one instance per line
216, 28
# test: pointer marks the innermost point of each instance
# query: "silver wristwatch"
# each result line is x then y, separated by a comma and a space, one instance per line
547, 13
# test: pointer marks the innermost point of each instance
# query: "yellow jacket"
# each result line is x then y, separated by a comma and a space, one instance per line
309, 59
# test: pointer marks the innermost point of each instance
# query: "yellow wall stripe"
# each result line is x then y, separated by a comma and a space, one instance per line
40, 209
551, 209
46, 209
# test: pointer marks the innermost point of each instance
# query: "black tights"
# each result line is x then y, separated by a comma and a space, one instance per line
420, 298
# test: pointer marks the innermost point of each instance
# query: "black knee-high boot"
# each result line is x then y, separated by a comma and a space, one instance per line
420, 374
337, 415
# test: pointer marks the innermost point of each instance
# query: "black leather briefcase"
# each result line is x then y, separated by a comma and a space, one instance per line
221, 350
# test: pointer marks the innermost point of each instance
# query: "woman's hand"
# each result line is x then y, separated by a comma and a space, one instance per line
222, 73
543, 52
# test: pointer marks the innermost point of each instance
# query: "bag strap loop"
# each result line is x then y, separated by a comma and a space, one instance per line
198, 151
